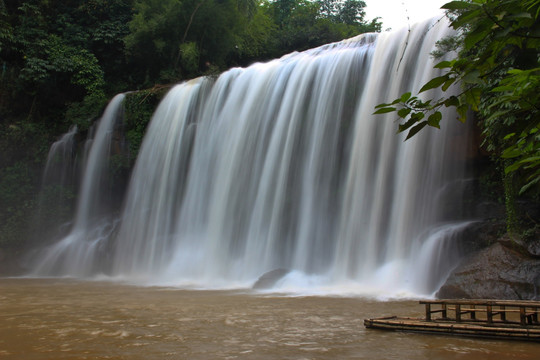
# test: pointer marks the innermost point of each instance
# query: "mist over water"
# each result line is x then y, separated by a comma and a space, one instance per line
282, 165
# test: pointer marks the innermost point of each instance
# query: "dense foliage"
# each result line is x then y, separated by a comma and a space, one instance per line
62, 60
498, 67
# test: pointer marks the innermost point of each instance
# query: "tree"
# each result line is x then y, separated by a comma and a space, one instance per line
257, 36
498, 67
6, 31
352, 12
173, 40
305, 24
328, 8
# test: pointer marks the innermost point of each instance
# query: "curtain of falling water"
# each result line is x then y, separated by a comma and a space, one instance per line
394, 190
57, 185
283, 165
77, 253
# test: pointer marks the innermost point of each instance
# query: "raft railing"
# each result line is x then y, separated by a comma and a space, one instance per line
487, 311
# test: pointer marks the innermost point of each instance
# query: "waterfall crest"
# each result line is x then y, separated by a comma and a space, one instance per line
282, 165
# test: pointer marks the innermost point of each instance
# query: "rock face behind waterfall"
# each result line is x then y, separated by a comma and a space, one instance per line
495, 267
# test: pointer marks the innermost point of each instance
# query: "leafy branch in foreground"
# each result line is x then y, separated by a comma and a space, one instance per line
498, 69
414, 110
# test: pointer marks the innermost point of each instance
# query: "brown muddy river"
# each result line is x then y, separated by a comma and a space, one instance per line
70, 319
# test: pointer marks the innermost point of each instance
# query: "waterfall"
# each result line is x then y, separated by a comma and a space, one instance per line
77, 253
281, 165
59, 168
57, 187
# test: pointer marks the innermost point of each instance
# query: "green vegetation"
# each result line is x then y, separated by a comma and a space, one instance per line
60, 62
498, 68
139, 107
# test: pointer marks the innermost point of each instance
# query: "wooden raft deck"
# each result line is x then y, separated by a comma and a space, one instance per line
485, 318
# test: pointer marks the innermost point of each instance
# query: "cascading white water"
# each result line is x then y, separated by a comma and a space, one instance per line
57, 187
76, 253
59, 168
95, 170
283, 165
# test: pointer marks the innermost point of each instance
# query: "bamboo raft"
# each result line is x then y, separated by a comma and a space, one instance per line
501, 319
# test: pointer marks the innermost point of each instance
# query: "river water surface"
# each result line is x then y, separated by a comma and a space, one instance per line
71, 319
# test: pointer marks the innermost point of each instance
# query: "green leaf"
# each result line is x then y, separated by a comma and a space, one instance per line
511, 152
416, 129
468, 17
472, 77
384, 110
503, 89
417, 116
462, 112
475, 36
408, 124
527, 186
473, 97
451, 101
434, 83
512, 168
456, 5
402, 113
531, 159
405, 97
434, 119
448, 83
443, 65
523, 15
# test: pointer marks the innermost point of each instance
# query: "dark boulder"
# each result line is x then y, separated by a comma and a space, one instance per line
270, 278
501, 271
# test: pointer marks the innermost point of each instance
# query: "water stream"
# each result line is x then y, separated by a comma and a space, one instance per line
281, 165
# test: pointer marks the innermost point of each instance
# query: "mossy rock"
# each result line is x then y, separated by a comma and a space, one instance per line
139, 107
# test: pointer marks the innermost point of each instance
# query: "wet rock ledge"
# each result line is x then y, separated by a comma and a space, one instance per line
504, 270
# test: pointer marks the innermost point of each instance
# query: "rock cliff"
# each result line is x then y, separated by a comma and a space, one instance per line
503, 270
